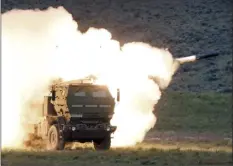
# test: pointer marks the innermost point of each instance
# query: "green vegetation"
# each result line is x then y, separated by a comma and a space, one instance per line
147, 154
195, 112
179, 112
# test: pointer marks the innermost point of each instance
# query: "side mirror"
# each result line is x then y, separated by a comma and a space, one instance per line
118, 95
53, 95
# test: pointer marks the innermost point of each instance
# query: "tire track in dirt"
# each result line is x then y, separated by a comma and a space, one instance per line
185, 136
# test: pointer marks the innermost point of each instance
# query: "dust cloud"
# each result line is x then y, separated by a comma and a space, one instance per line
39, 46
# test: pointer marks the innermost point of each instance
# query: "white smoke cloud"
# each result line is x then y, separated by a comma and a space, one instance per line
39, 46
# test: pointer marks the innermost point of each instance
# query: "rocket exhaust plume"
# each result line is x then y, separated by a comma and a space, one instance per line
39, 46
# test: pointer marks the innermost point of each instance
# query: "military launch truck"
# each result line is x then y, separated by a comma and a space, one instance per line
77, 111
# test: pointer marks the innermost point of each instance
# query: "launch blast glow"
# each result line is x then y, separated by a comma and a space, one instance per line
39, 46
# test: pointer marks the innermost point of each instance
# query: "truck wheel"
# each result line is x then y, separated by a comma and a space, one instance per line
54, 142
103, 144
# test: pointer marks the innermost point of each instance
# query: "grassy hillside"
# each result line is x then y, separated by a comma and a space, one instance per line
185, 27
195, 112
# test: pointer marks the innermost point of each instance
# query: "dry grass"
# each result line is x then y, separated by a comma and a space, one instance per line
142, 154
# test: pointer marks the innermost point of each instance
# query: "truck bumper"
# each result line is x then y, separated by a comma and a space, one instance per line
74, 133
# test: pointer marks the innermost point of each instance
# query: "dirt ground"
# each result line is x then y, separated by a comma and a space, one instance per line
185, 27
186, 136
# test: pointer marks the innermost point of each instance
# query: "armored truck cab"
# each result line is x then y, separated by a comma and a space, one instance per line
77, 111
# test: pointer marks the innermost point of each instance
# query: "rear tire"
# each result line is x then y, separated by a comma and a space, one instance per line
103, 144
54, 142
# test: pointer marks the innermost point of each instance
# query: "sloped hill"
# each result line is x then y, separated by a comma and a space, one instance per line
185, 27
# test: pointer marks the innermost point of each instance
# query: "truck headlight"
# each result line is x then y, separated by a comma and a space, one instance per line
73, 128
108, 128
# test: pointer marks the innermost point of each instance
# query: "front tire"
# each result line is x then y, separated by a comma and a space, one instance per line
103, 144
54, 142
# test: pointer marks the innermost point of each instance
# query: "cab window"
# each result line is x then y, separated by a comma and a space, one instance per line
99, 94
80, 94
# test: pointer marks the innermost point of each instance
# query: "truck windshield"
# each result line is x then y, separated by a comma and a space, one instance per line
96, 92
